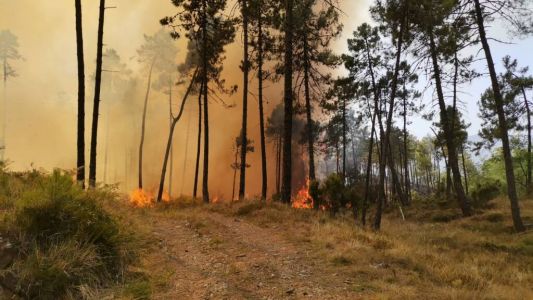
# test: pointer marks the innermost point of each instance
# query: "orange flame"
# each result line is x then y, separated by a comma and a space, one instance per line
303, 199
141, 198
144, 198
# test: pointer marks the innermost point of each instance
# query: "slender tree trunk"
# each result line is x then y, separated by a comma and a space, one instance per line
264, 183
97, 87
464, 168
236, 165
171, 119
308, 113
498, 99
286, 189
399, 46
369, 167
528, 113
344, 141
205, 181
80, 166
280, 157
199, 143
244, 132
143, 124
450, 142
170, 137
186, 154
407, 181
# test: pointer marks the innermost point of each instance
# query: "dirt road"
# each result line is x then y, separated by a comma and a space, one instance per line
213, 256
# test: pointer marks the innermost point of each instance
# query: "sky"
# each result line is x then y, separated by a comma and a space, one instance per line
41, 104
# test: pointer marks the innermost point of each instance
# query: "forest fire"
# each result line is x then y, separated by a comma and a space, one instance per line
141, 198
303, 199
144, 198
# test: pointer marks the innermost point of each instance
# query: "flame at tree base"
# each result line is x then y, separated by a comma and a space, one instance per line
303, 199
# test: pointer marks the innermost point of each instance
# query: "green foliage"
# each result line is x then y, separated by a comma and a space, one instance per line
484, 192
64, 237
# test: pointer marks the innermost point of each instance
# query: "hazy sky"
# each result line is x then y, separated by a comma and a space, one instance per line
42, 100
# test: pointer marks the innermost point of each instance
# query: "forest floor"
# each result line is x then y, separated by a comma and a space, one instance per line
254, 251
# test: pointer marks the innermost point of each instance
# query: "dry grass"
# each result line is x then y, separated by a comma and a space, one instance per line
473, 258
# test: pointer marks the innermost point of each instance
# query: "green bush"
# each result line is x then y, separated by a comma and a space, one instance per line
65, 238
484, 192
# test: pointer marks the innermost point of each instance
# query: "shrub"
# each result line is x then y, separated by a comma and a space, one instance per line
65, 238
484, 192
334, 194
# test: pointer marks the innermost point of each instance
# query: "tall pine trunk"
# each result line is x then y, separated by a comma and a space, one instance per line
407, 181
143, 124
97, 88
528, 113
80, 165
381, 194
308, 113
288, 95
502, 121
199, 142
453, 161
244, 133
205, 180
264, 182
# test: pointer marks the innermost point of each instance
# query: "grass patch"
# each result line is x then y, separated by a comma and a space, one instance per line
67, 242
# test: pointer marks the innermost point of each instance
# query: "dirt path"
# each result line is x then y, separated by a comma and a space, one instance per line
219, 257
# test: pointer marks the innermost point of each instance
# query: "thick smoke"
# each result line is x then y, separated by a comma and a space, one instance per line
42, 111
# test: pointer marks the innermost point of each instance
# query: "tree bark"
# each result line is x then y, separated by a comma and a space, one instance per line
199, 143
528, 112
143, 124
264, 183
308, 113
97, 88
205, 181
80, 165
407, 181
399, 45
450, 143
498, 99
244, 133
286, 189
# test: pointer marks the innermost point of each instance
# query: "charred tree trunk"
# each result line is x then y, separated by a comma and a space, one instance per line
498, 99
80, 165
244, 133
450, 141
308, 113
287, 128
264, 182
143, 124
97, 88
199, 143
205, 181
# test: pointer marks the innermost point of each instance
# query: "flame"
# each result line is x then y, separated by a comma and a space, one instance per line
303, 199
144, 198
216, 199
166, 197
141, 198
